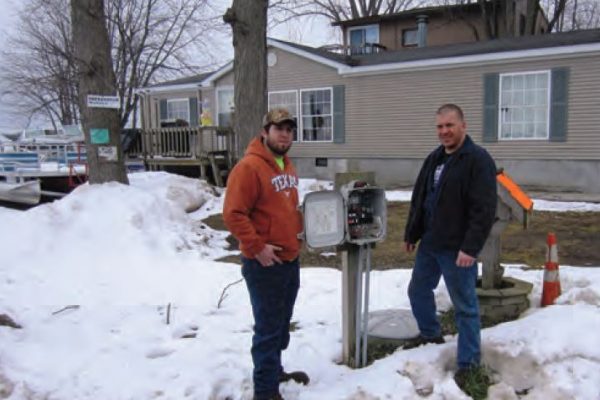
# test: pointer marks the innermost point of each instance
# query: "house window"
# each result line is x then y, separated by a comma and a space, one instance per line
362, 39
178, 109
409, 37
225, 107
524, 105
316, 115
286, 99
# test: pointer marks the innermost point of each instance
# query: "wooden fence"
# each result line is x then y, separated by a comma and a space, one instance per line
202, 146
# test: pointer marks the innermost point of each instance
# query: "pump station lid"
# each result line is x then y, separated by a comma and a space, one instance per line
324, 219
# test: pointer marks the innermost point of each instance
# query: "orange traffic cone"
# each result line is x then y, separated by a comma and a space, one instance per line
551, 289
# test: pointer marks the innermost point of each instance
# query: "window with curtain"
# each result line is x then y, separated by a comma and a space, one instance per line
178, 109
316, 115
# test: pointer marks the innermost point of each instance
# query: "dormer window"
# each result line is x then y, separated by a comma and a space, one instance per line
410, 37
361, 39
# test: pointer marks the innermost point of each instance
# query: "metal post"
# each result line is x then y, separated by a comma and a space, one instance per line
365, 321
350, 261
359, 310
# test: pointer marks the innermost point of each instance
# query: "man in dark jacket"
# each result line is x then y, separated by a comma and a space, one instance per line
452, 210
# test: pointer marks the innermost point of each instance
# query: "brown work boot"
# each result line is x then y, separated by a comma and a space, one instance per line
422, 340
296, 376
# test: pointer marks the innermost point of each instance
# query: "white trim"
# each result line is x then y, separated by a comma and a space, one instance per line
168, 88
305, 54
217, 91
548, 73
361, 27
443, 63
301, 116
428, 64
209, 81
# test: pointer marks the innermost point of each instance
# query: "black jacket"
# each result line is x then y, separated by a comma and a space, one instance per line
465, 209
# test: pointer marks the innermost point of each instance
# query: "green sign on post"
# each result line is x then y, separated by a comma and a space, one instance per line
99, 136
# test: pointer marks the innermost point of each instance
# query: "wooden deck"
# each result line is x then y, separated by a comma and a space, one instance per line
184, 146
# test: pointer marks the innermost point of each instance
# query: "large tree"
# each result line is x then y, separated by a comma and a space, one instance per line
93, 61
248, 20
149, 39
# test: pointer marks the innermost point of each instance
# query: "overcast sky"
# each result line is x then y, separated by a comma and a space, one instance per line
313, 31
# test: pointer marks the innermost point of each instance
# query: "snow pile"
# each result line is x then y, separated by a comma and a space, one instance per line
119, 297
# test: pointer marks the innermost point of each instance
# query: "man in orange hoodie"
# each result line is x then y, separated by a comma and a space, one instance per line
261, 211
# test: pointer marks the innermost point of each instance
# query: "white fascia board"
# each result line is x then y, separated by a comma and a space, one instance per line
209, 81
167, 88
442, 63
306, 54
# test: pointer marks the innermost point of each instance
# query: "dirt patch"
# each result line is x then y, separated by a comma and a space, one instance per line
577, 233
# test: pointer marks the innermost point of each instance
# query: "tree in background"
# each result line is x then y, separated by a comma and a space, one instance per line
578, 14
248, 20
340, 10
39, 70
150, 39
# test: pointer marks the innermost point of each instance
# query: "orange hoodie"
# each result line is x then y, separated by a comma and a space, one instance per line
261, 203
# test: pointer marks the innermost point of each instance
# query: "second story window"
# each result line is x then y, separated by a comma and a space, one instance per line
362, 38
409, 37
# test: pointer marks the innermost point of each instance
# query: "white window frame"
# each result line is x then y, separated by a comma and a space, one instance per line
301, 117
361, 27
548, 105
178, 100
217, 91
297, 113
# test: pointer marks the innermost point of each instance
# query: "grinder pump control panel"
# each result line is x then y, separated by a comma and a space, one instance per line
356, 214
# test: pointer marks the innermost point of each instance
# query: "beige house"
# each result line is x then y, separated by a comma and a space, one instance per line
533, 102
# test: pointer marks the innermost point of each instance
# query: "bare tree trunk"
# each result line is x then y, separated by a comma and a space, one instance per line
96, 77
248, 20
532, 15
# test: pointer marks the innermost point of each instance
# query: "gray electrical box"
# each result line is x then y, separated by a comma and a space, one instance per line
356, 214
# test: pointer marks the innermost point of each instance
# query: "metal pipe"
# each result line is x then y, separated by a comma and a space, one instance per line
358, 314
366, 304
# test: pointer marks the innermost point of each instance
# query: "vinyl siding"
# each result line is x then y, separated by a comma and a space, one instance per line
392, 115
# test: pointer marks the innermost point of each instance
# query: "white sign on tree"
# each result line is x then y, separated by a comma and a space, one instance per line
98, 101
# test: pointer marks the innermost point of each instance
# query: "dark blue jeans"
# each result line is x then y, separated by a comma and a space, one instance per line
429, 266
273, 293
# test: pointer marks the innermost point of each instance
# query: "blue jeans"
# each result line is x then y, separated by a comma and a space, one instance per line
273, 293
429, 266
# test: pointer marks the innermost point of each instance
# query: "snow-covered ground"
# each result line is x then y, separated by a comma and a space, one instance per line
110, 282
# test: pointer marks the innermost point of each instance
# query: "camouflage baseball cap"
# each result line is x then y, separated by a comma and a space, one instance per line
278, 116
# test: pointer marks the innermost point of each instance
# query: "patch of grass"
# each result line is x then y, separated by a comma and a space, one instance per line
294, 326
447, 322
577, 233
475, 383
377, 351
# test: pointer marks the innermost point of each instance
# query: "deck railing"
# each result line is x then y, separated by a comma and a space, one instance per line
186, 142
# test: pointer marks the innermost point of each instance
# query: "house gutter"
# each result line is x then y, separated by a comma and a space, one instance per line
479, 59
166, 88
